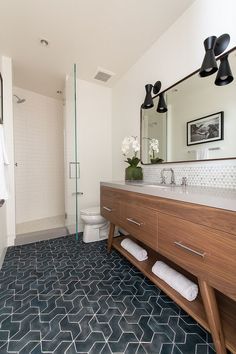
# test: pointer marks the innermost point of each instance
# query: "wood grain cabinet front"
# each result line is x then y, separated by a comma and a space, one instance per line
209, 254
110, 205
197, 240
140, 222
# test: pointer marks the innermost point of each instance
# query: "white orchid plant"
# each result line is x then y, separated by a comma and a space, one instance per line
153, 150
131, 144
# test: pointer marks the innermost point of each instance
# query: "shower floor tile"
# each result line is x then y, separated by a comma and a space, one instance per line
64, 296
40, 224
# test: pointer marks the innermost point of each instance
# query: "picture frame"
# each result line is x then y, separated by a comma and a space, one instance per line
1, 100
206, 129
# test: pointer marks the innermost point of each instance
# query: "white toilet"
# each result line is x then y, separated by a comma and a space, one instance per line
96, 228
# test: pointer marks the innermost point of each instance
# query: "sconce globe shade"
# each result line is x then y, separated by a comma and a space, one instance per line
157, 87
148, 102
161, 107
224, 75
209, 65
222, 43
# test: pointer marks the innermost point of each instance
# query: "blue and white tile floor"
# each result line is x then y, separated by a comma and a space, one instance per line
64, 296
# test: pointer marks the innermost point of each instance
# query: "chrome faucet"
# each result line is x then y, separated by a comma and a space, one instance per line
163, 178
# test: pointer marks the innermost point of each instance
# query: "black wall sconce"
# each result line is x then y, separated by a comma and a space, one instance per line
215, 46
148, 101
209, 65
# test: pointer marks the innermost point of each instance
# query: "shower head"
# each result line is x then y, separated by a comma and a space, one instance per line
19, 100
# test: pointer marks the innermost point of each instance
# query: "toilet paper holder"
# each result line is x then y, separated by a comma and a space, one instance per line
2, 201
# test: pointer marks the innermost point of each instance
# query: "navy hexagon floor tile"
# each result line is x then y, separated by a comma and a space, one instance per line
65, 296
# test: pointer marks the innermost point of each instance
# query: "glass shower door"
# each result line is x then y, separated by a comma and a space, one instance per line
72, 168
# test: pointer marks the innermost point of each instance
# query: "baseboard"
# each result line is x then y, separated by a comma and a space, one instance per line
2, 256
11, 240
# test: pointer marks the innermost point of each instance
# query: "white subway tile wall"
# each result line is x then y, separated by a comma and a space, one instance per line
39, 175
220, 174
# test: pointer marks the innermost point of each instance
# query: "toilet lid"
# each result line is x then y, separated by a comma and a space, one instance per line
90, 211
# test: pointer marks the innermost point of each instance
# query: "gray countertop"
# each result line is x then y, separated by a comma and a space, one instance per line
213, 197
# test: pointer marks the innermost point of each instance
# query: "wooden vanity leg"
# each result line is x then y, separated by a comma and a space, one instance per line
213, 316
110, 237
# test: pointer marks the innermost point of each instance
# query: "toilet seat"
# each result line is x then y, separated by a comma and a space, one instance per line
90, 211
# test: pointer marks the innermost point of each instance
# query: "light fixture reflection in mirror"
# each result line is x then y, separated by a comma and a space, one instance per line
192, 99
161, 107
224, 75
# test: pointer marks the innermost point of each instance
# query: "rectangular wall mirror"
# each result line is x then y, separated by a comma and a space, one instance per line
200, 123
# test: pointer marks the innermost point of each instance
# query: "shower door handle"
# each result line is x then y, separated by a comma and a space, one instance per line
76, 170
77, 193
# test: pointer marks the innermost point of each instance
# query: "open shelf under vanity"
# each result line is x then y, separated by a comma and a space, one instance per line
227, 307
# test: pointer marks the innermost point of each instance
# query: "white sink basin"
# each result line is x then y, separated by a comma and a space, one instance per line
158, 186
153, 185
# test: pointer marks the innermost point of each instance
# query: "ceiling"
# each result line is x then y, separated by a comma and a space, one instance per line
111, 34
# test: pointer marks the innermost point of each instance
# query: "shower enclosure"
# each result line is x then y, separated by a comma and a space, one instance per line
46, 163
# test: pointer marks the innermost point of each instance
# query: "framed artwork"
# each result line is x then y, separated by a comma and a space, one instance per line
1, 100
206, 129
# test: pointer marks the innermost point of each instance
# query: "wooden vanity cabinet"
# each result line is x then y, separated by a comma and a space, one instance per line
110, 206
140, 222
207, 253
197, 240
130, 213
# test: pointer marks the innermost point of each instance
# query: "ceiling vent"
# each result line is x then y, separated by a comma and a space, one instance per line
103, 75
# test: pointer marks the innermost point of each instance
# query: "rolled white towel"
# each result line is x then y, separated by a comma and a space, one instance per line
138, 252
176, 280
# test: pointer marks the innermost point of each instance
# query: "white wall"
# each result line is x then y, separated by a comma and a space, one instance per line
8, 129
39, 153
178, 52
7, 212
3, 231
94, 140
94, 143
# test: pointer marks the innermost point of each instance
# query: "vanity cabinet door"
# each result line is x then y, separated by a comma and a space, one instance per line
209, 254
109, 205
140, 222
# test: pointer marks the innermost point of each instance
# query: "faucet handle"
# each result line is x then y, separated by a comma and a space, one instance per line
184, 181
163, 180
172, 181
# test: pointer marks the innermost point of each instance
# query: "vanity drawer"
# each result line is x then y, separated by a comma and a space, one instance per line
109, 205
140, 222
209, 254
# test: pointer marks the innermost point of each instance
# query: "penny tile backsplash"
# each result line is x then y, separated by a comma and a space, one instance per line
221, 174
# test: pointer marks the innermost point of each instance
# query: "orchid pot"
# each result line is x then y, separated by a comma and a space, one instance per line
133, 172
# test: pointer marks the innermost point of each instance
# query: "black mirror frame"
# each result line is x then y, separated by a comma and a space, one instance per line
169, 88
